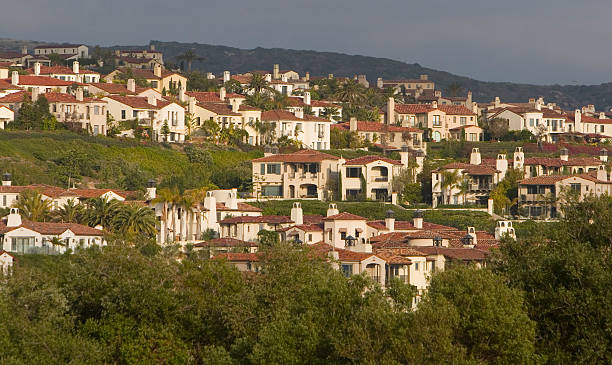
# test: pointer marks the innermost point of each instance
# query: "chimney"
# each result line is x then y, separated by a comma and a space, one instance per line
564, 154
297, 215
379, 83
471, 232
424, 77
475, 158
501, 164
226, 76
222, 93
332, 210
284, 78
152, 47
276, 72
34, 94
15, 78
519, 158
235, 105
6, 179
603, 155
131, 85
602, 115
24, 50
268, 77
79, 94
191, 107
602, 174
14, 218
390, 220
353, 124
181, 95
151, 100
307, 97
36, 68
330, 76
577, 120
497, 102
417, 219
210, 76
210, 204
299, 112
268, 151
75, 67
232, 202
307, 77
390, 111
151, 190
405, 156
157, 70
434, 104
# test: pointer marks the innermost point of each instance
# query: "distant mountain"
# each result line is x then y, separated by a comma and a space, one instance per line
221, 58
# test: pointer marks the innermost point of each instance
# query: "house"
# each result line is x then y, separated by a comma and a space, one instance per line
221, 245
150, 112
6, 262
388, 135
369, 177
85, 113
310, 131
158, 78
439, 119
543, 196
6, 116
303, 174
74, 74
139, 58
319, 108
540, 166
129, 89
26, 237
422, 83
7, 88
41, 83
82, 51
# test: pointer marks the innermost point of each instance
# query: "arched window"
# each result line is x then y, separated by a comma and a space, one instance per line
437, 136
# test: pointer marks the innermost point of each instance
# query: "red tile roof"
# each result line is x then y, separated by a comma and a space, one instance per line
299, 156
466, 254
242, 207
364, 160
149, 74
225, 242
272, 219
470, 169
219, 109
48, 228
426, 108
139, 102
14, 97
237, 256
344, 216
112, 88
277, 115
305, 228
557, 162
6, 85
375, 127
41, 81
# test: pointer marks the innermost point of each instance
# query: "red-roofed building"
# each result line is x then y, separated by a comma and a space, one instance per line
320, 108
42, 84
81, 50
74, 73
389, 135
158, 78
310, 132
370, 177
303, 174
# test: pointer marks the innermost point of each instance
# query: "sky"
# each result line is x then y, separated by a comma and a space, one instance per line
527, 41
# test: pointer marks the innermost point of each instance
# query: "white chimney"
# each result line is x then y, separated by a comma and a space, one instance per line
390, 111
131, 85
181, 95
75, 67
434, 104
564, 154
299, 112
222, 93
519, 158
192, 103
15, 78
210, 76
284, 78
79, 94
14, 218
24, 50
6, 179
152, 47
151, 190
602, 115
501, 164
475, 158
307, 77
157, 70
417, 219
332, 210
497, 102
276, 72
297, 214
37, 69
603, 155
268, 77
235, 105
34, 94
353, 124
226, 76
405, 156
307, 97
151, 100
232, 202
602, 174
503, 228
210, 204
390, 220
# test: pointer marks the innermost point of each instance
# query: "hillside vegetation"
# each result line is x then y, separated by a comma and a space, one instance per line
61, 157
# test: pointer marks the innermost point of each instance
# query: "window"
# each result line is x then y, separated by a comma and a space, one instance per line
601, 128
274, 168
462, 120
262, 169
272, 190
22, 244
531, 122
416, 266
310, 237
532, 189
134, 114
343, 235
123, 114
347, 270
575, 187
436, 120
353, 172
4, 200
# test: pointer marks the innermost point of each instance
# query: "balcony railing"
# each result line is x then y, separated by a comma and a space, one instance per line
381, 179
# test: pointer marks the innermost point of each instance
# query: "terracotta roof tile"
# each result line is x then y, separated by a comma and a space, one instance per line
225, 242
364, 160
376, 127
344, 216
41, 81
139, 102
299, 156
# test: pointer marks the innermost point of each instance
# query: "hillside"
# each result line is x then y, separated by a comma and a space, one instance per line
221, 58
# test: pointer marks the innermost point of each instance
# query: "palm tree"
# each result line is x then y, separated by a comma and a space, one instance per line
258, 83
449, 178
132, 220
100, 211
330, 113
165, 197
350, 92
32, 206
189, 56
464, 186
454, 89
259, 100
264, 129
70, 212
280, 101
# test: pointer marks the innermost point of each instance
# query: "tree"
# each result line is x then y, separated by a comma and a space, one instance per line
32, 206
258, 83
233, 86
267, 238
454, 89
56, 60
464, 186
70, 212
330, 113
100, 212
189, 56
448, 180
493, 324
165, 130
497, 128
351, 92
134, 221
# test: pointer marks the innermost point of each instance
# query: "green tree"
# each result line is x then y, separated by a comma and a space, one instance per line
101, 211
233, 86
448, 180
165, 131
267, 238
258, 83
189, 56
33, 206
134, 221
70, 212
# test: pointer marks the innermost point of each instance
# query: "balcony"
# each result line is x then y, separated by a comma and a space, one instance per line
380, 179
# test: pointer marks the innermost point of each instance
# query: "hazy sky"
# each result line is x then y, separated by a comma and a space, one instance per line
535, 41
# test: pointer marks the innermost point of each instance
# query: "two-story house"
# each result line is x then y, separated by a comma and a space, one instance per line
310, 131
